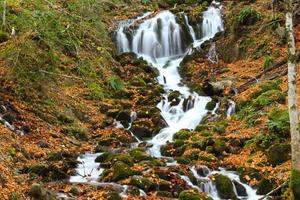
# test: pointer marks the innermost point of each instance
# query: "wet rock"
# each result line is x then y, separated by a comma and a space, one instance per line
183, 134
132, 190
174, 96
139, 155
102, 157
183, 160
164, 194
279, 153
192, 195
224, 187
202, 171
37, 192
240, 189
113, 158
216, 88
210, 105
122, 171
143, 183
124, 115
113, 195
164, 185
264, 187
141, 132
75, 191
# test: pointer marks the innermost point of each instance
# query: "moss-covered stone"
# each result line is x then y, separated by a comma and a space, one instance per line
182, 135
192, 195
3, 36
139, 155
210, 105
279, 153
121, 171
102, 157
264, 187
142, 183
37, 192
224, 187
183, 160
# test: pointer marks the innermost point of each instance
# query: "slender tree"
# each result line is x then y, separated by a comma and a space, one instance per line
292, 103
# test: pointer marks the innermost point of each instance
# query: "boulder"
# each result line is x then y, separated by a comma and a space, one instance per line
224, 187
279, 153
142, 182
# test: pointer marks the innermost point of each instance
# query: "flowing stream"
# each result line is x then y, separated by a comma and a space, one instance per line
161, 42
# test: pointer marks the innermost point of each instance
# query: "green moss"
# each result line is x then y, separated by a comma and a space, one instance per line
269, 97
183, 160
139, 155
182, 135
95, 91
295, 184
224, 187
77, 132
121, 171
279, 122
248, 16
142, 183
113, 195
192, 195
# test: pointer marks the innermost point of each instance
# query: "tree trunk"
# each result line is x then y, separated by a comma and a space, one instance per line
292, 103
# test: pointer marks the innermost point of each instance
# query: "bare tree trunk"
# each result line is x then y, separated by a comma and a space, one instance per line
4, 14
292, 103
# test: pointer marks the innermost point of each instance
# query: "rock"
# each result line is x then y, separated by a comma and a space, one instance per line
182, 134
217, 88
164, 194
75, 191
121, 171
143, 183
102, 157
203, 171
224, 187
240, 189
192, 195
141, 132
174, 95
124, 115
210, 105
264, 187
164, 185
279, 153
37, 192
113, 195
43, 144
139, 155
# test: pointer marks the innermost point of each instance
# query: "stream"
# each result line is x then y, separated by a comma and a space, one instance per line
160, 41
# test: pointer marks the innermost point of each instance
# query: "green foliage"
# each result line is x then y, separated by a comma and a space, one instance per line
264, 87
96, 92
77, 132
279, 122
55, 41
262, 140
3, 36
268, 60
115, 83
248, 16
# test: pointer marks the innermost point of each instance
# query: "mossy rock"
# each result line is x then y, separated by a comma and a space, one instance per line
224, 187
164, 194
121, 171
220, 146
174, 95
37, 192
192, 195
210, 105
124, 115
279, 153
102, 157
139, 155
183, 160
142, 182
220, 127
77, 132
113, 195
206, 157
182, 135
141, 132
164, 185
48, 173
264, 187
125, 158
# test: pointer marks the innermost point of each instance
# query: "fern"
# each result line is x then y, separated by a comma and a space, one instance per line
115, 83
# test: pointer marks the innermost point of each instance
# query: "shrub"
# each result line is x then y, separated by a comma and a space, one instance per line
96, 92
248, 16
279, 122
268, 60
115, 83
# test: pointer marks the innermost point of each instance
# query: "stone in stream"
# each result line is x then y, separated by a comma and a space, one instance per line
37, 192
122, 171
224, 187
143, 183
264, 187
240, 189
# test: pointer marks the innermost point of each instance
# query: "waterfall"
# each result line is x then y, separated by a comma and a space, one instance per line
160, 41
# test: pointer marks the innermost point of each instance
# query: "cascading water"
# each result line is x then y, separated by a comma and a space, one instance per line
160, 41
